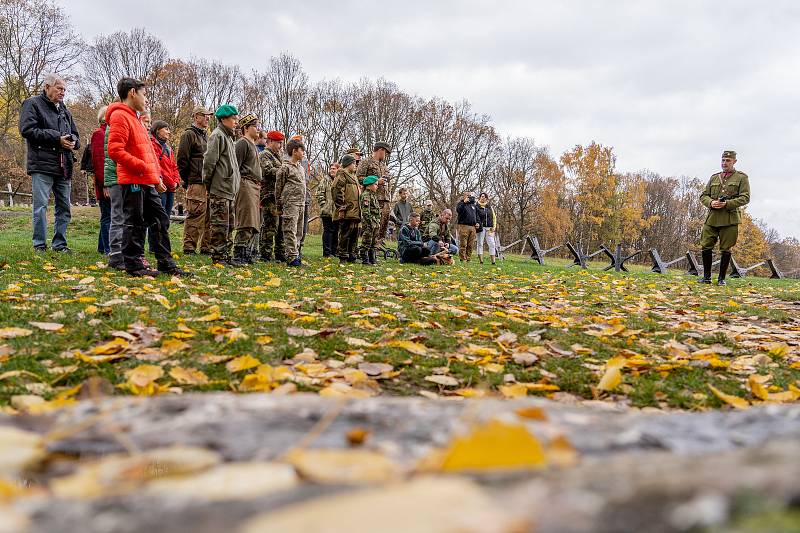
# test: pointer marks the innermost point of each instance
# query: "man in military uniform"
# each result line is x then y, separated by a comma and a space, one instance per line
247, 203
271, 236
356, 153
375, 165
426, 216
290, 195
196, 228
370, 220
725, 193
347, 209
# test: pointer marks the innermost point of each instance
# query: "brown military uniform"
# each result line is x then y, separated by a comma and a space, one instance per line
723, 224
196, 228
247, 208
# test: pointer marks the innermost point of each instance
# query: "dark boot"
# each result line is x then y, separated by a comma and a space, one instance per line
373, 257
364, 257
707, 256
724, 262
239, 254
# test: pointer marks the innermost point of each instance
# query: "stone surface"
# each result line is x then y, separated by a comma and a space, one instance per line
637, 470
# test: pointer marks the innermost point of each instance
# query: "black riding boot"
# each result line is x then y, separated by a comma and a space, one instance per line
724, 262
373, 257
707, 260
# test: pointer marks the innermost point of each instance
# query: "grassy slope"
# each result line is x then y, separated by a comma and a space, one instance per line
551, 310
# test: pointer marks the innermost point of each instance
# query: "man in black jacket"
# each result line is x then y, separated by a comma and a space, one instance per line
47, 125
467, 225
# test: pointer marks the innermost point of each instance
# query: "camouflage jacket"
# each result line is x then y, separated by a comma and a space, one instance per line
346, 194
370, 208
425, 218
270, 163
737, 191
372, 167
290, 184
438, 231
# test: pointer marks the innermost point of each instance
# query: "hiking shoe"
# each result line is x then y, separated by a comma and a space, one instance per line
177, 271
706, 281
142, 272
295, 262
63, 250
40, 249
720, 282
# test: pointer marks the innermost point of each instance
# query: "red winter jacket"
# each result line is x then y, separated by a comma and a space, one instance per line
98, 159
130, 147
169, 168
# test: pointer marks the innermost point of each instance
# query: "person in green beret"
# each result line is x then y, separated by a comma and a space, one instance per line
724, 196
222, 179
370, 221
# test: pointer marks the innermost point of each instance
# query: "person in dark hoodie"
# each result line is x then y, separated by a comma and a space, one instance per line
47, 126
468, 225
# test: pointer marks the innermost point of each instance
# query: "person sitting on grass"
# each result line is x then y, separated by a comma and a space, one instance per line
439, 235
410, 245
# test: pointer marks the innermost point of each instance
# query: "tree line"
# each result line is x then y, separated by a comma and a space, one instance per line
440, 148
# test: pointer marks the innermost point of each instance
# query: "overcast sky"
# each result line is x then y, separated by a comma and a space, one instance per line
668, 84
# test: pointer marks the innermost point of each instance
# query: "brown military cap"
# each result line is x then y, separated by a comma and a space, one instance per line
729, 153
200, 110
381, 144
354, 150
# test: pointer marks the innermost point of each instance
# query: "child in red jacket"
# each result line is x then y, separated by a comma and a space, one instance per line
160, 135
138, 173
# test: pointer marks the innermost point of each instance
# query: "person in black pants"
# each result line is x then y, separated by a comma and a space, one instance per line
410, 245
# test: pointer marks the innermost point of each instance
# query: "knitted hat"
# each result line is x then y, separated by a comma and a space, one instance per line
369, 180
225, 111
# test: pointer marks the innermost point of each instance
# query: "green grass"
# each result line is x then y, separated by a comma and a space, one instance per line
554, 304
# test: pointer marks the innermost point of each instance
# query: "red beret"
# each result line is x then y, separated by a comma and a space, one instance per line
275, 135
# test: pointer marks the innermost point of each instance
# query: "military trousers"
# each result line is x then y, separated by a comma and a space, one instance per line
466, 241
348, 238
196, 228
726, 235
369, 236
223, 220
271, 236
292, 221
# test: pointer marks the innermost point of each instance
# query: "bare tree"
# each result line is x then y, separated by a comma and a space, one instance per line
217, 84
331, 109
36, 38
172, 99
136, 53
286, 85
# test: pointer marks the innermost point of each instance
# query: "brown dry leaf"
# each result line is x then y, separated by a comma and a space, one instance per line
375, 369
491, 446
47, 326
244, 362
338, 466
188, 376
714, 349
294, 331
11, 332
532, 413
357, 436
735, 401
445, 381
410, 346
561, 452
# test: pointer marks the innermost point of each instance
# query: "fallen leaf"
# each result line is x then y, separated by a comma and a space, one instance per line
188, 376
613, 374
410, 346
226, 482
11, 332
735, 401
301, 332
244, 362
213, 314
446, 381
342, 466
47, 326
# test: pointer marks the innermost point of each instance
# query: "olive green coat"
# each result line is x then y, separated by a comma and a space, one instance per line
346, 193
737, 191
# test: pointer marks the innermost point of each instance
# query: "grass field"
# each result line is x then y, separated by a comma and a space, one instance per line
467, 330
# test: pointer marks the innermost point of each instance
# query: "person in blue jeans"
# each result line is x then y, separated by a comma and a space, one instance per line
438, 234
47, 126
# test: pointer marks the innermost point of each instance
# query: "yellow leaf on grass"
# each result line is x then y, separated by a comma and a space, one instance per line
110, 348
264, 339
244, 362
96, 359
757, 387
188, 376
778, 349
482, 351
162, 300
173, 346
613, 374
11, 332
735, 401
144, 375
264, 379
496, 445
337, 466
410, 346
343, 390
273, 282
213, 314
517, 390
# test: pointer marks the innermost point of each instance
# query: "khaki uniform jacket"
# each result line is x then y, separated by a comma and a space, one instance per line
325, 196
736, 189
372, 167
220, 167
345, 196
290, 184
190, 155
438, 231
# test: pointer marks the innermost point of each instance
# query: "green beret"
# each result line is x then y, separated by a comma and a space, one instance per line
369, 180
729, 153
225, 111
347, 160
